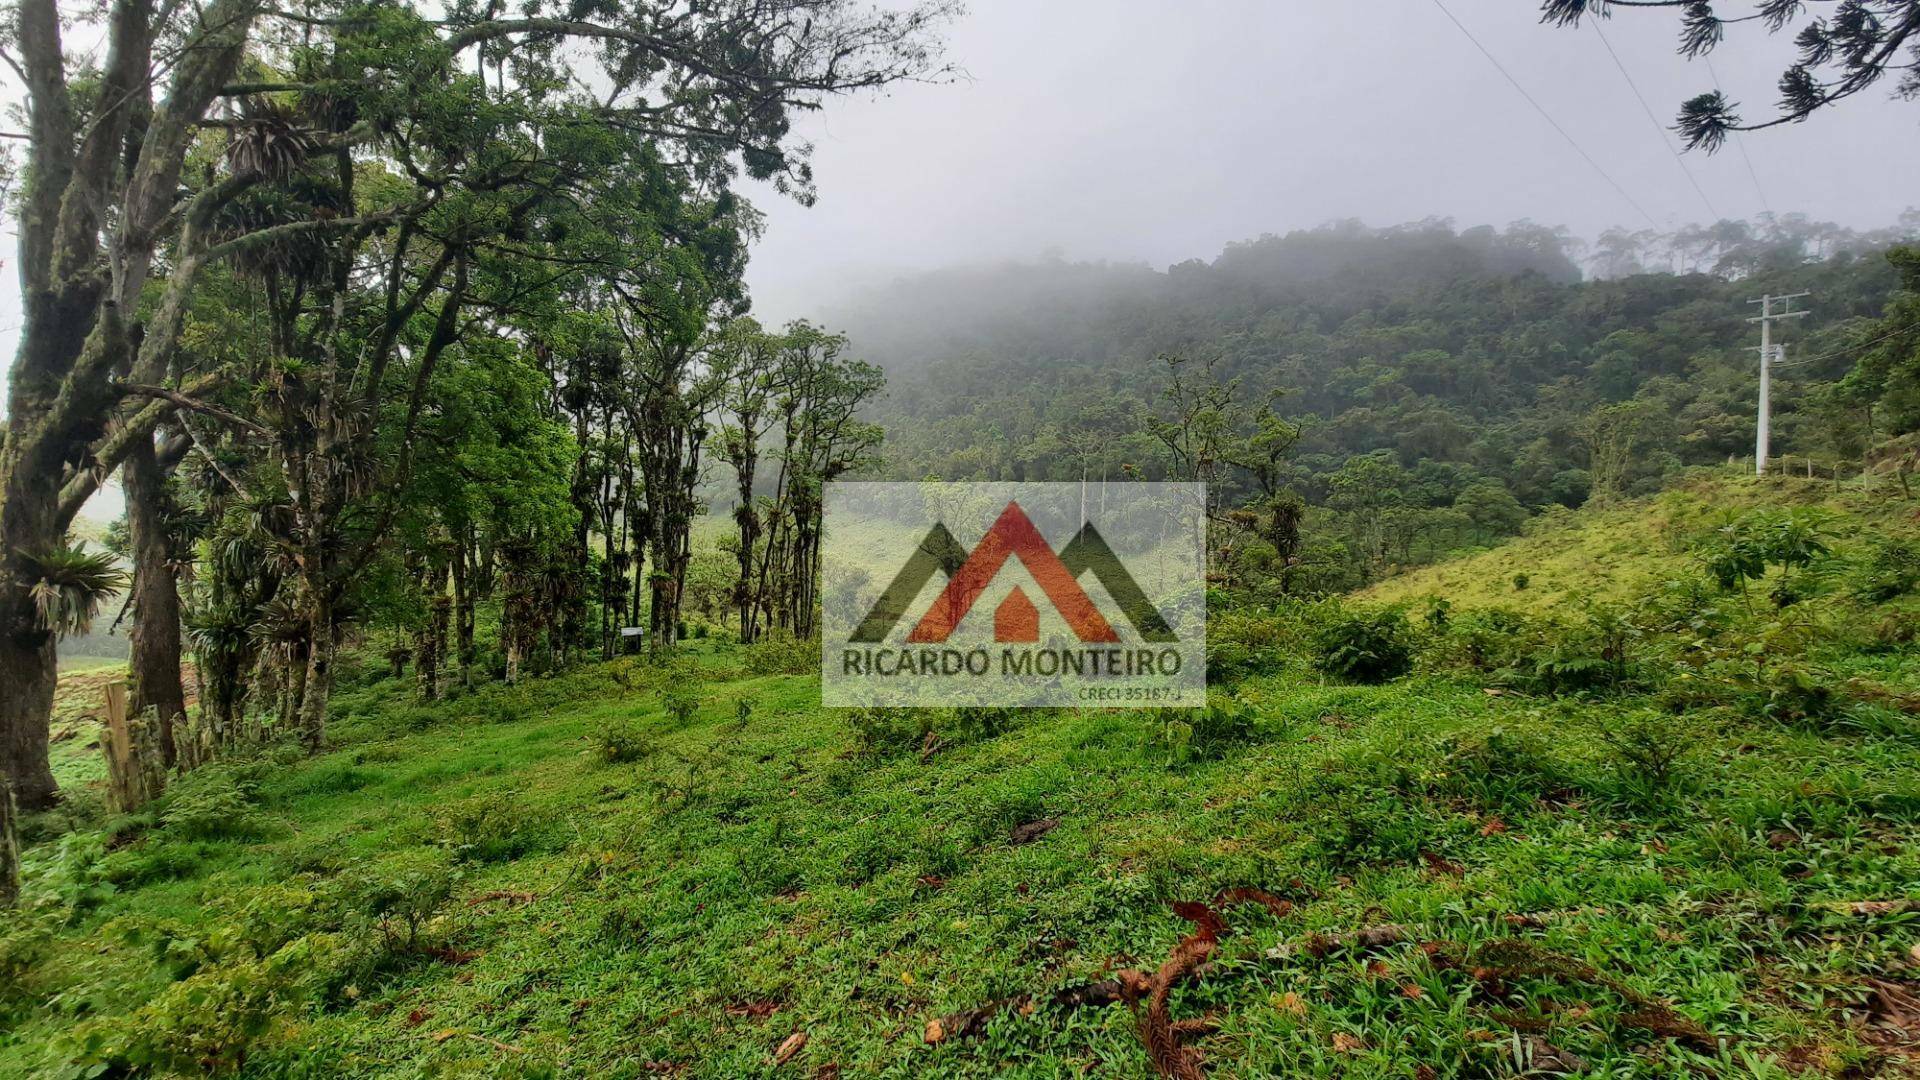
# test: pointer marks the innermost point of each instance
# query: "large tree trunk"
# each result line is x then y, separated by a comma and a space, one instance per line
155, 639
33, 455
27, 663
26, 706
73, 336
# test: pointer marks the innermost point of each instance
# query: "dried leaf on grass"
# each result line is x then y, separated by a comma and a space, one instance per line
1367, 937
1032, 830
792, 1045
1896, 1004
1164, 1038
1543, 1056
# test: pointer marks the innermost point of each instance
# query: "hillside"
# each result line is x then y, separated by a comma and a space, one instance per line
692, 870
1464, 355
1616, 550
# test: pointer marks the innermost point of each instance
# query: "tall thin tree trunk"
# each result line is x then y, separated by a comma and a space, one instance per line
9, 847
463, 615
154, 665
432, 644
318, 684
296, 692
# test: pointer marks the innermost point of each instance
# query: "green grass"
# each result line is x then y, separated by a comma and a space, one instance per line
474, 889
1614, 551
739, 869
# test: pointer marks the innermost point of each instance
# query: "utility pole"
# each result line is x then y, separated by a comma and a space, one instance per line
1763, 428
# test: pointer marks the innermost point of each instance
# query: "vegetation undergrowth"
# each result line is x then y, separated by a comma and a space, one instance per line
1603, 839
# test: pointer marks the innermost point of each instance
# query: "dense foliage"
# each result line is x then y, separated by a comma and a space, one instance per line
1419, 389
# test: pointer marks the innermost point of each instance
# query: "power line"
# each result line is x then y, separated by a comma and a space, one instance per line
1545, 115
1666, 139
1739, 143
1845, 349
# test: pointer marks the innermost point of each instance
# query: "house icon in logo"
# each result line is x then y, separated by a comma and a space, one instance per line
1017, 619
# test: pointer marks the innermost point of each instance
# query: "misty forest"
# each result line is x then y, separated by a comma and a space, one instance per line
411, 572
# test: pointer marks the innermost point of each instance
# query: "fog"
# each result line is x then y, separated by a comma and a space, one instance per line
1155, 132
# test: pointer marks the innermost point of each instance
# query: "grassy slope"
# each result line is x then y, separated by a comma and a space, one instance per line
1616, 550
739, 869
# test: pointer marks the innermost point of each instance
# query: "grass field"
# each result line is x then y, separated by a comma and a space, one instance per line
564, 879
1620, 549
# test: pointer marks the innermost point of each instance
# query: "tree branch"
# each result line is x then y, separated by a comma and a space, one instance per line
183, 401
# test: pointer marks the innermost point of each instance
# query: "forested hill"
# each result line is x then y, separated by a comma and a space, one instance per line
1462, 356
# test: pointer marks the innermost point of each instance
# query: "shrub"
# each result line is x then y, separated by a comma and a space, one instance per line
1500, 769
24, 947
206, 1023
1891, 570
1646, 749
878, 730
1209, 733
1485, 639
679, 702
1365, 647
400, 897
1591, 655
1742, 550
211, 803
781, 653
1242, 644
620, 743
1791, 694
495, 827
975, 722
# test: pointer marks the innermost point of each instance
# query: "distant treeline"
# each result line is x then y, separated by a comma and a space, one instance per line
1451, 361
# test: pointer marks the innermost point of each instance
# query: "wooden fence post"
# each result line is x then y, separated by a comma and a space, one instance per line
136, 773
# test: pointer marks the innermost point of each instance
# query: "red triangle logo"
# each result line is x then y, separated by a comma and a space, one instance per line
1013, 534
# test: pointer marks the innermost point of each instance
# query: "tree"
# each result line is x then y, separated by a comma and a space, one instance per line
1885, 380
1492, 509
115, 232
746, 361
820, 440
1840, 54
1610, 434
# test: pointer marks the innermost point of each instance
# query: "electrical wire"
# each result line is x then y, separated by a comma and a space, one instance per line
1545, 115
1666, 138
1845, 349
1739, 143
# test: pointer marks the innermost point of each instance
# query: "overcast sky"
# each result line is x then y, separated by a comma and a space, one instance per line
1155, 131
1152, 131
